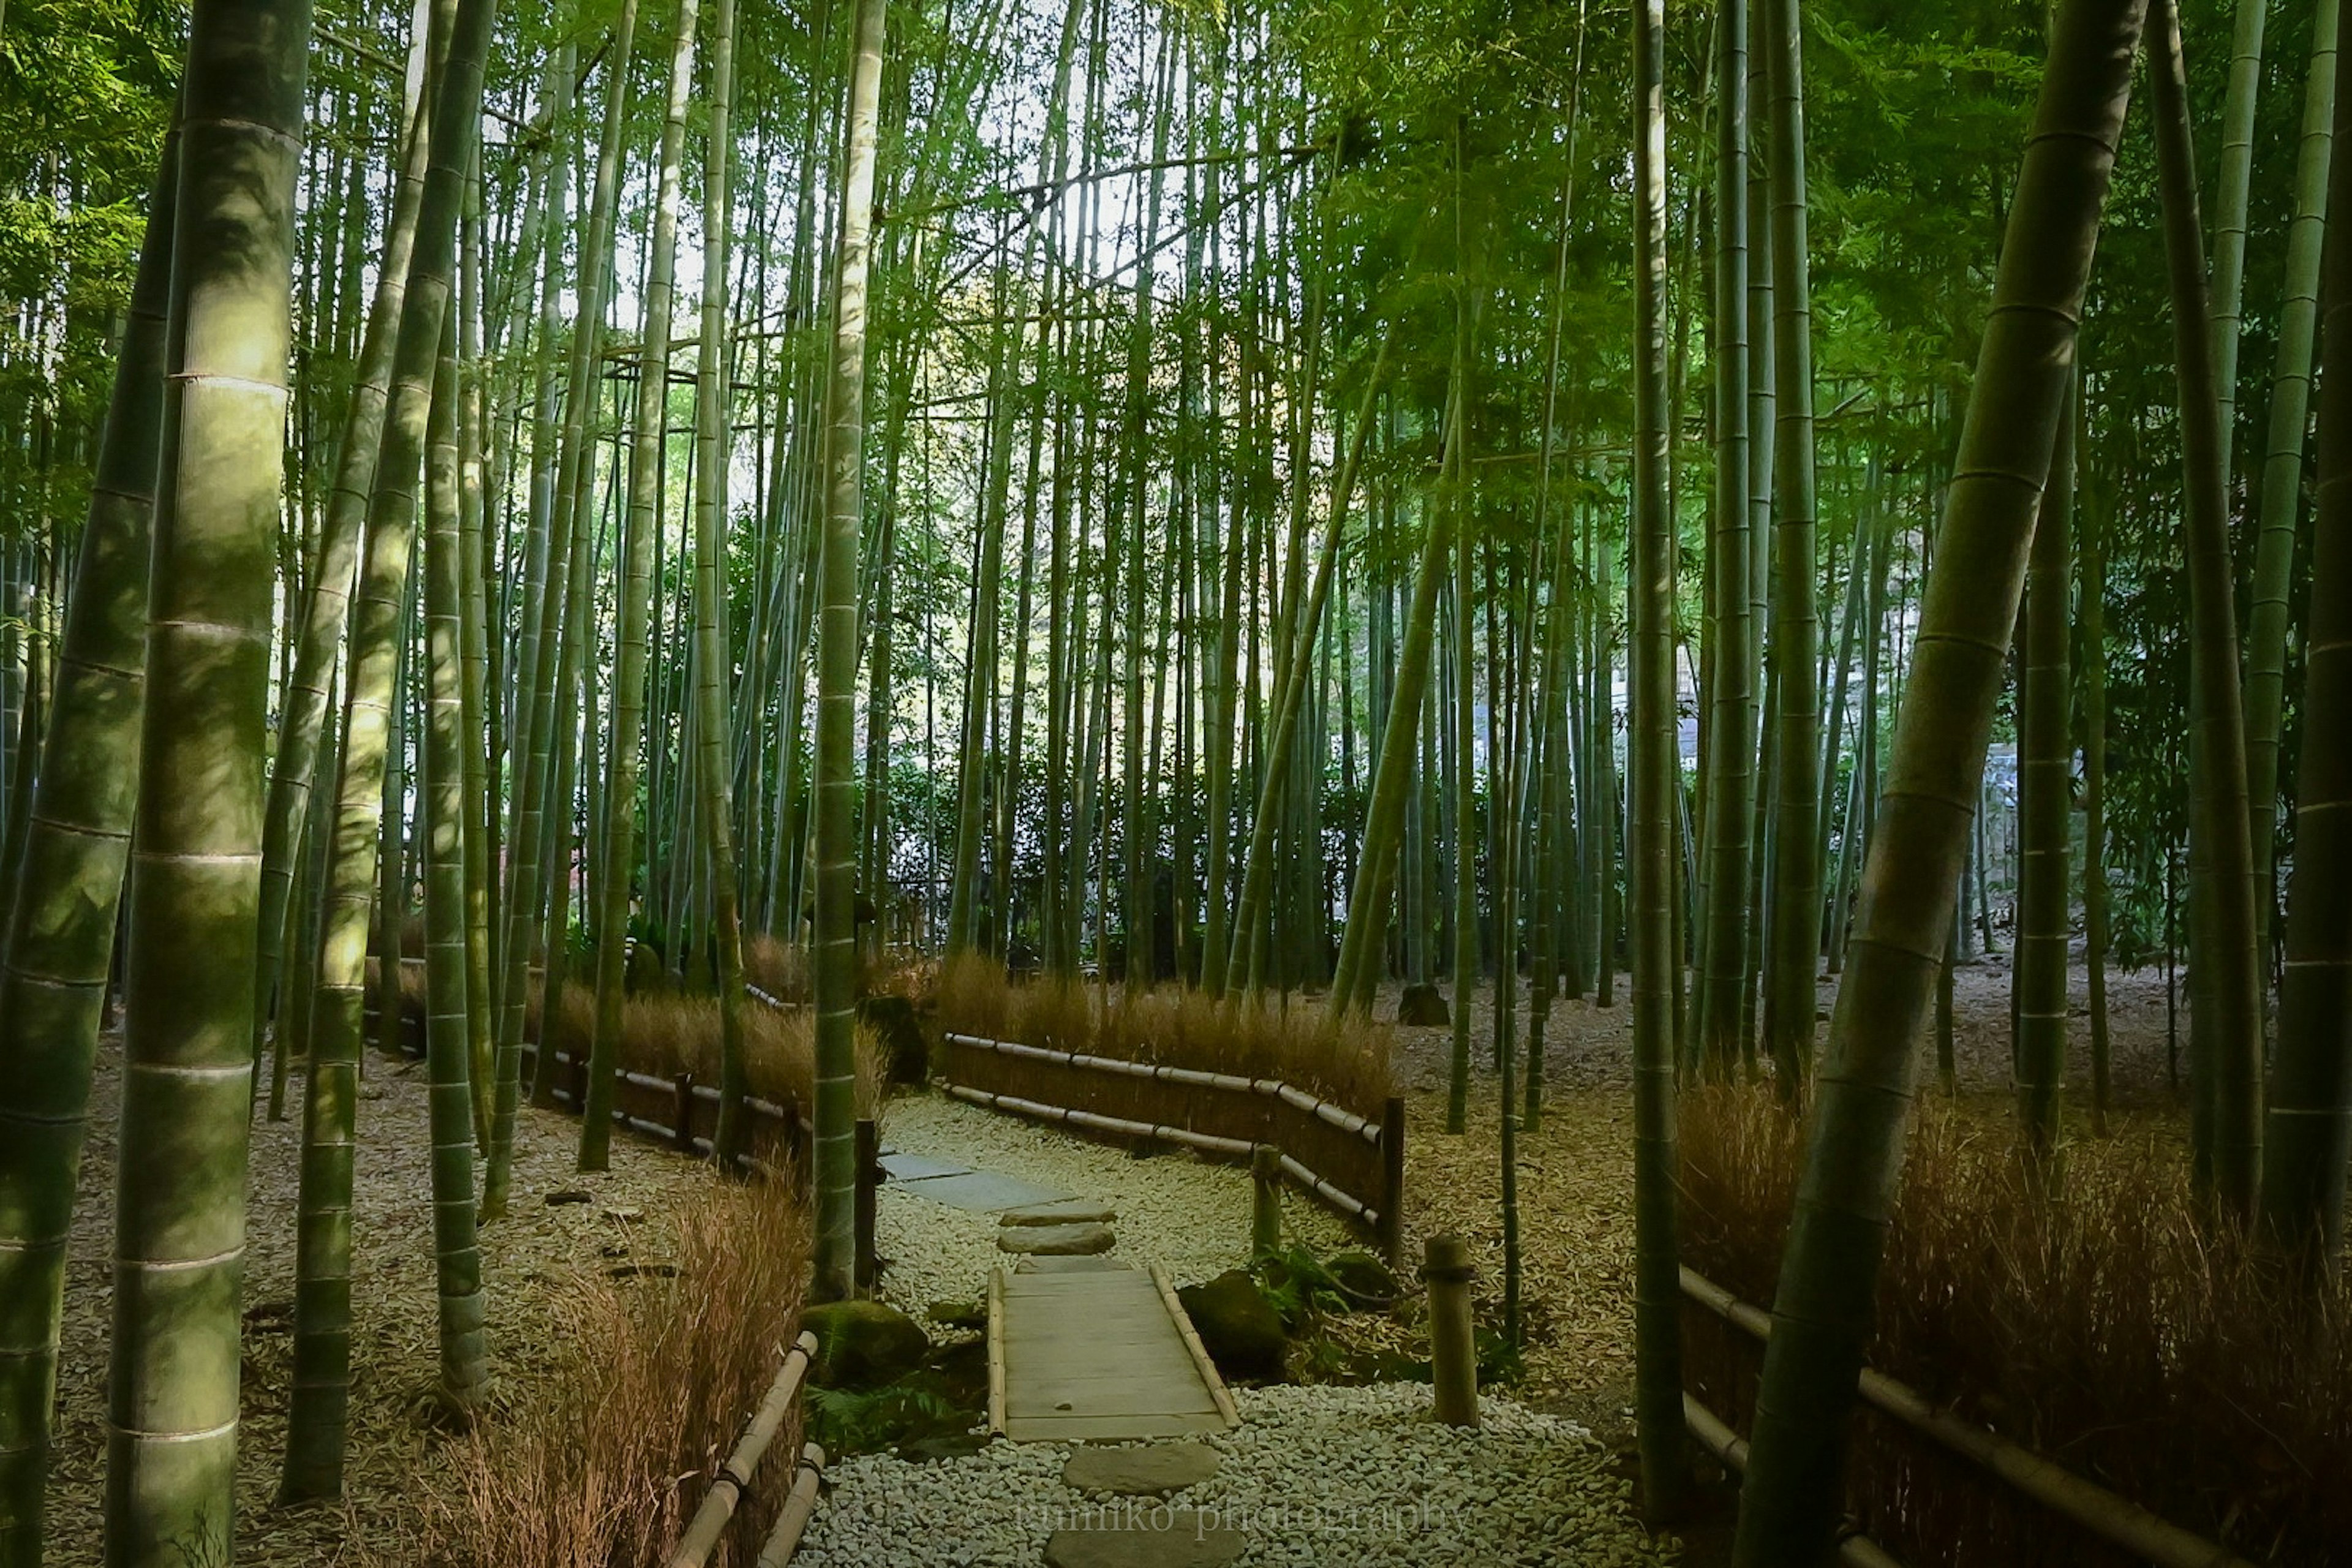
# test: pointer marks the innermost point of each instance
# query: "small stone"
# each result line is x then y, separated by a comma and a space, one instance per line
1146, 1536
957, 1314
1055, 1240
1155, 1472
1063, 1211
561, 1196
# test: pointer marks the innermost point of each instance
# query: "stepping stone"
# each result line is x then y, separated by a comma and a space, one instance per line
1078, 1264
1144, 1535
917, 1168
1055, 1240
982, 1192
1155, 1472
1065, 1211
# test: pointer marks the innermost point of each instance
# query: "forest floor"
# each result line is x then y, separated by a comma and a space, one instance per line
1576, 1169
528, 1260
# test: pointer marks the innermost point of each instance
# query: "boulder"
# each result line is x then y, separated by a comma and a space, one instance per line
1055, 1240
863, 1344
1422, 1007
1364, 1282
1238, 1326
1157, 1470
892, 1019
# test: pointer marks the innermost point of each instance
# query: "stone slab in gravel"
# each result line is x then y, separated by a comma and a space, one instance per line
900, 1167
1153, 1471
1055, 1240
1067, 1211
1030, 1263
983, 1192
1147, 1538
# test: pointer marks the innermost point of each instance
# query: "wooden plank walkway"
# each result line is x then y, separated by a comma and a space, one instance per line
1105, 1355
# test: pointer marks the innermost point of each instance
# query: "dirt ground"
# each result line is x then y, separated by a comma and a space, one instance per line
527, 1256
1576, 1168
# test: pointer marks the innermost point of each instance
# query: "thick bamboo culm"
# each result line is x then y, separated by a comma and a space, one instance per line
996, 1353
735, 1477
1853, 1551
799, 1504
2114, 1519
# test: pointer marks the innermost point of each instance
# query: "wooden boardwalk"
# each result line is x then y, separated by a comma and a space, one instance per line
1101, 1356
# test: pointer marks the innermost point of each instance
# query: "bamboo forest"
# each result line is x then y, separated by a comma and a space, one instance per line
1153, 783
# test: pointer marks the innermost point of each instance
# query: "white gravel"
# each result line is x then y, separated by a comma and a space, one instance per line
1183, 1212
1313, 1475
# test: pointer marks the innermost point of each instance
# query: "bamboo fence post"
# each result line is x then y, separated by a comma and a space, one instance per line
1265, 1201
1392, 1221
1453, 1352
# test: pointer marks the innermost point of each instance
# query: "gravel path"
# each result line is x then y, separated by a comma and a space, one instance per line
1313, 1475
1186, 1214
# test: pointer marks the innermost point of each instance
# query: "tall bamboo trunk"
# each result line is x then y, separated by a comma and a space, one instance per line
1654, 770
626, 764
2310, 1116
61, 928
1793, 936
2225, 976
179, 1243
834, 969
1791, 1496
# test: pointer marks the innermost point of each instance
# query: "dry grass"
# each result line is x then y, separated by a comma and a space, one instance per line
657, 1379
666, 1034
1172, 1025
2113, 1327
782, 970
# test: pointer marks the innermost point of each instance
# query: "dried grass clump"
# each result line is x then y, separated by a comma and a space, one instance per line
2115, 1327
655, 1380
780, 969
665, 1034
1171, 1025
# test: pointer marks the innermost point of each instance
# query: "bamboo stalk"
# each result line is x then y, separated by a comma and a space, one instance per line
1854, 1551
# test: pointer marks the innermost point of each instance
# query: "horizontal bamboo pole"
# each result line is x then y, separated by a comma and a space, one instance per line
734, 1478
1233, 1148
2115, 1520
1192, 1345
1337, 1116
1854, 1551
799, 1504
996, 1353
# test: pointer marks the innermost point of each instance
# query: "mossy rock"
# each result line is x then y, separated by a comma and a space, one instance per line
1364, 1282
957, 1314
1424, 1007
646, 972
1238, 1326
892, 1019
863, 1344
